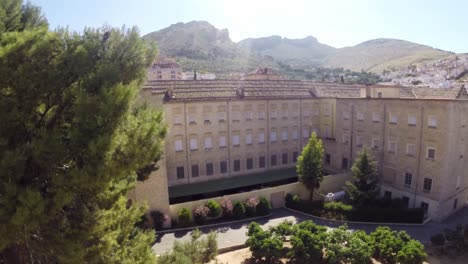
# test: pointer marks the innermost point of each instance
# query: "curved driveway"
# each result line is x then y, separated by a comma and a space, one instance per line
234, 234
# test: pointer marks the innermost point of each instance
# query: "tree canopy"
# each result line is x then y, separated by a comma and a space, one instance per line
310, 164
72, 139
364, 186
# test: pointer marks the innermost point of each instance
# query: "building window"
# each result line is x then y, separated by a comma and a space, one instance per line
393, 119
375, 117
177, 120
327, 132
345, 115
285, 158
345, 138
206, 118
375, 143
388, 195
405, 201
273, 160
392, 146
306, 113
237, 165
411, 120
192, 119
432, 122
249, 163
261, 115
209, 169
425, 207
221, 116
427, 187
193, 144
248, 115
360, 116
261, 162
273, 136
235, 116
295, 155
408, 179
295, 134
159, 76
284, 114
326, 111
359, 141
195, 172
344, 163
431, 153
261, 137
410, 149
208, 143
305, 133
379, 94
248, 139
273, 114
235, 140
284, 135
222, 141
327, 159
178, 145
223, 166
180, 172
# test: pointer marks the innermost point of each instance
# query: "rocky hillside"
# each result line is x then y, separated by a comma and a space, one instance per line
198, 45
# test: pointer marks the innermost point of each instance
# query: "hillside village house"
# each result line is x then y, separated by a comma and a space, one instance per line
165, 69
242, 128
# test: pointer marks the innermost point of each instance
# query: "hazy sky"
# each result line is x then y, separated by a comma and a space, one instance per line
441, 24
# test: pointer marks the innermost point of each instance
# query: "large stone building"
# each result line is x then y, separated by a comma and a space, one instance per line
165, 69
227, 128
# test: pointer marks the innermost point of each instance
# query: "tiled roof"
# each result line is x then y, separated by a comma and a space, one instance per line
189, 90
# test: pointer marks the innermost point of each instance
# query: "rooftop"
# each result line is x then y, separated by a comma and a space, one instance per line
192, 90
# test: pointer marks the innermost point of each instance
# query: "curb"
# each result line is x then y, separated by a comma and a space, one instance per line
231, 248
354, 222
210, 225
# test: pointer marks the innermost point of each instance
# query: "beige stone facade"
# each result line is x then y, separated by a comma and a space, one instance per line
222, 128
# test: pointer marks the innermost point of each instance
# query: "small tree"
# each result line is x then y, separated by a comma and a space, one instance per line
363, 188
309, 164
263, 207
238, 210
264, 244
185, 217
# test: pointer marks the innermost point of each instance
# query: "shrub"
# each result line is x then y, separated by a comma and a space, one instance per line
386, 215
226, 206
215, 208
307, 243
263, 244
263, 207
337, 207
238, 210
185, 217
250, 205
411, 253
283, 229
200, 213
158, 219
288, 199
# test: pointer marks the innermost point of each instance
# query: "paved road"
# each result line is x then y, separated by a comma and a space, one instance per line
234, 234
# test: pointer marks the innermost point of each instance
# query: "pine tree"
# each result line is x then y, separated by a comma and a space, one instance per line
72, 141
364, 186
310, 164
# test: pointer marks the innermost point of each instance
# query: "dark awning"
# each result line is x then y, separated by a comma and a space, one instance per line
231, 183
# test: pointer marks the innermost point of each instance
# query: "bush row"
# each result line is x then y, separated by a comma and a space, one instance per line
311, 243
341, 211
225, 209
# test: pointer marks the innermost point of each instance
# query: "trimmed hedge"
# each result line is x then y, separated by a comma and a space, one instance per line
263, 207
238, 211
215, 208
185, 217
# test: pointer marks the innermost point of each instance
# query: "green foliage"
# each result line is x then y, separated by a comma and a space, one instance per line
283, 229
263, 207
307, 243
310, 164
197, 251
347, 247
338, 206
411, 253
238, 211
263, 244
215, 208
185, 217
158, 219
364, 187
72, 140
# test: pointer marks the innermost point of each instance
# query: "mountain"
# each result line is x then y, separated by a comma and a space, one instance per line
293, 51
198, 45
378, 54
